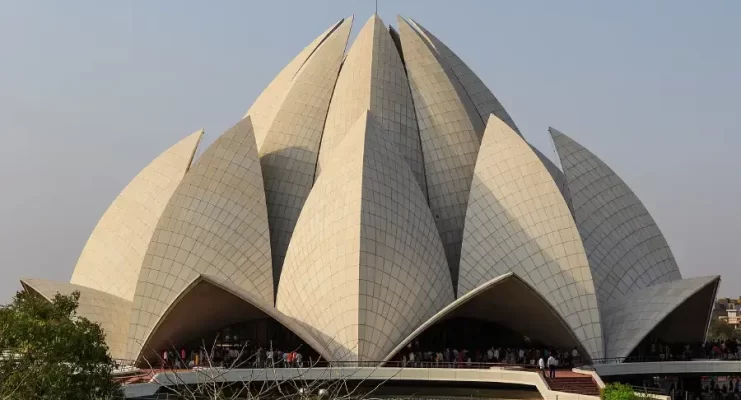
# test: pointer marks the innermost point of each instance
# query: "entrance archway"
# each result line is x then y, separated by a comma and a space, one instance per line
514, 312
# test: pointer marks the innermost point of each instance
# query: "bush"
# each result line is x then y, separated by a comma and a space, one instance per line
618, 391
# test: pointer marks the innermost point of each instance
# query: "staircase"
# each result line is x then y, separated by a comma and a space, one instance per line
574, 384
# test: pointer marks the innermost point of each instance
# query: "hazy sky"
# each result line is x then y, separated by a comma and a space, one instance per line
91, 91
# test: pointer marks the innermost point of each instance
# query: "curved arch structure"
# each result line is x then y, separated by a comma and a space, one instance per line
483, 99
119, 241
288, 154
216, 224
450, 130
206, 304
111, 312
373, 79
366, 265
625, 247
265, 106
629, 319
387, 180
511, 301
517, 221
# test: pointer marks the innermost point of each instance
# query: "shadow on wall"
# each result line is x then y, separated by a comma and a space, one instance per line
288, 175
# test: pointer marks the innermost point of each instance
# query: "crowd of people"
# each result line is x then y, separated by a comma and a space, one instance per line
412, 357
716, 350
714, 390
723, 349
534, 357
236, 356
415, 356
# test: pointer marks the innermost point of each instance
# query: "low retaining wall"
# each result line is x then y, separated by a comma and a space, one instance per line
493, 375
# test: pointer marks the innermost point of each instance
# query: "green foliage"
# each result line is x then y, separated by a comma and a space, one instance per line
720, 330
618, 391
48, 352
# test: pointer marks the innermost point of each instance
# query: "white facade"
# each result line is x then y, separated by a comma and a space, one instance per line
517, 221
267, 104
117, 245
627, 320
481, 97
625, 247
356, 196
373, 79
366, 265
288, 153
450, 131
216, 224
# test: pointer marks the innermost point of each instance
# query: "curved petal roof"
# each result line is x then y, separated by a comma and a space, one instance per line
510, 301
373, 78
289, 152
117, 245
483, 99
379, 161
205, 304
628, 319
216, 224
556, 174
450, 130
625, 247
365, 266
517, 221
111, 312
266, 105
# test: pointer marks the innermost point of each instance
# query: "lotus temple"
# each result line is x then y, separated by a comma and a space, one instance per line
378, 194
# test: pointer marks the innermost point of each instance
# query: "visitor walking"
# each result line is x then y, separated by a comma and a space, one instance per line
541, 365
552, 366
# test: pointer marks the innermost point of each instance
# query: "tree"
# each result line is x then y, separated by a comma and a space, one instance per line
49, 352
720, 330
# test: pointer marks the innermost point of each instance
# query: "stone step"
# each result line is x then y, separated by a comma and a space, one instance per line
579, 385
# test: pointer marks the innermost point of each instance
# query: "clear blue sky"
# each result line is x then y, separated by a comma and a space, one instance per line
91, 91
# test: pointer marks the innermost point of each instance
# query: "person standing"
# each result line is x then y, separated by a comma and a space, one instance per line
541, 365
576, 359
552, 366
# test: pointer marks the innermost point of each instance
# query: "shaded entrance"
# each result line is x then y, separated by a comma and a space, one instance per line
685, 326
472, 334
219, 318
504, 312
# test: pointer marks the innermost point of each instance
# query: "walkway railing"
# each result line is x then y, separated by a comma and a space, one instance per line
635, 359
122, 364
251, 363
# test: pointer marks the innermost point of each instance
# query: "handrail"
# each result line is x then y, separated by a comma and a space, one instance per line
649, 390
360, 364
123, 363
616, 360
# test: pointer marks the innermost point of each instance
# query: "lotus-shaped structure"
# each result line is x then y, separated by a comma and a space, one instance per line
367, 196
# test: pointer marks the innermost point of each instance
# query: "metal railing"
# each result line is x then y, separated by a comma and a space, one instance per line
123, 364
649, 390
635, 359
346, 364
